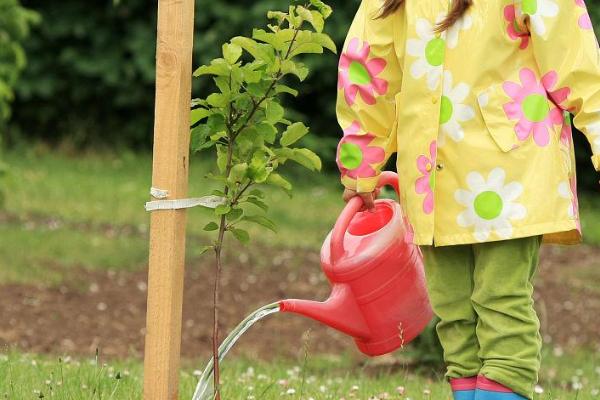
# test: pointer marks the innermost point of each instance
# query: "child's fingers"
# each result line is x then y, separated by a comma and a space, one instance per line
368, 200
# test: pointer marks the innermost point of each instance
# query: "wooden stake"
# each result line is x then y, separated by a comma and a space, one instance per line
170, 172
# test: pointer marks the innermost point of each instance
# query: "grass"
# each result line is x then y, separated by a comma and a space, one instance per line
87, 211
564, 376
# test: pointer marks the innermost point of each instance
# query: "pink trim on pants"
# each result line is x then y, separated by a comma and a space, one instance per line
458, 384
484, 383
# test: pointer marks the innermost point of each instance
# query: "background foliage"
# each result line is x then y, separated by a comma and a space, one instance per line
89, 80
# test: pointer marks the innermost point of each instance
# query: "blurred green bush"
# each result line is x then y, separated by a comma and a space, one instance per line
15, 22
90, 73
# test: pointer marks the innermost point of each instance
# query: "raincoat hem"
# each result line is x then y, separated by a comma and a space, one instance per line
518, 232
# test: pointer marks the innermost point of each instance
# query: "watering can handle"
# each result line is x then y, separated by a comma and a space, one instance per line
354, 206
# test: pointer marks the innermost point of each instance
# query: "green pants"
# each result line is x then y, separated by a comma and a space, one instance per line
483, 295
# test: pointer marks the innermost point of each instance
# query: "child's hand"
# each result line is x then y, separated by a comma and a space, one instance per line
368, 198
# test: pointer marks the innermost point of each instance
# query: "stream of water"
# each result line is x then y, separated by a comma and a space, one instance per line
204, 389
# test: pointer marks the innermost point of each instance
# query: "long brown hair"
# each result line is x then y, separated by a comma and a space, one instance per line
459, 7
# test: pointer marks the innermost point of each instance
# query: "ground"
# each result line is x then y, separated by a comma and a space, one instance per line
73, 279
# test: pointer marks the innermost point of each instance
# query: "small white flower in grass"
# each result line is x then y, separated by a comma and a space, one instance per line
490, 204
400, 390
538, 389
558, 351
430, 50
290, 391
197, 372
453, 111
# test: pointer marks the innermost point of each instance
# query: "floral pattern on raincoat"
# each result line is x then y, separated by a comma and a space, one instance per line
479, 116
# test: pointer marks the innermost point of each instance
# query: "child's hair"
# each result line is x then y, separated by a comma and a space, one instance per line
459, 7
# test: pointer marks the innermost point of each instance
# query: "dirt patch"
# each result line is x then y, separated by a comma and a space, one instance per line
106, 310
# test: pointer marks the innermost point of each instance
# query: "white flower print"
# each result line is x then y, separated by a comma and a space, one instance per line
430, 50
564, 191
538, 10
490, 204
453, 110
593, 130
463, 24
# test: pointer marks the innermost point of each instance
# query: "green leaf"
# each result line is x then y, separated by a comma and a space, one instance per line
323, 8
279, 16
200, 138
259, 51
267, 131
273, 112
241, 235
204, 249
221, 158
279, 88
293, 133
238, 172
275, 40
261, 220
304, 13
234, 214
324, 40
259, 171
217, 100
259, 203
222, 209
318, 22
307, 159
277, 180
232, 52
197, 114
295, 68
211, 226
217, 67
258, 193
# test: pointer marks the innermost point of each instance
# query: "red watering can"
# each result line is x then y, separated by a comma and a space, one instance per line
378, 293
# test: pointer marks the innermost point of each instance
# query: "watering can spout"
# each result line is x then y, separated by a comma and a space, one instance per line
340, 311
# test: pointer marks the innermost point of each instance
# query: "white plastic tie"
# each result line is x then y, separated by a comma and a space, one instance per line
162, 204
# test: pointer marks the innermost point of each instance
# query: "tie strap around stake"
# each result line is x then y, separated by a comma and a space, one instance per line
162, 204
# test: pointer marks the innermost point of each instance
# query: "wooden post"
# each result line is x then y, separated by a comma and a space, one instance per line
170, 172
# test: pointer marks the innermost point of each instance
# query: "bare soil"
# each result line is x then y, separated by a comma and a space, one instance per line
106, 310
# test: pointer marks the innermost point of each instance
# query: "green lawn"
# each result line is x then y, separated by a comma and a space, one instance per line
564, 377
87, 211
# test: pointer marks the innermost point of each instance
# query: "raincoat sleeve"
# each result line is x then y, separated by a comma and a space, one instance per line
369, 77
566, 51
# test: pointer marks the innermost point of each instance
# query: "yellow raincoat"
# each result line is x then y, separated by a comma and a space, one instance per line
479, 116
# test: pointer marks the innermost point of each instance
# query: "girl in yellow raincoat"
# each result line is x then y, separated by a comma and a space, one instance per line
476, 98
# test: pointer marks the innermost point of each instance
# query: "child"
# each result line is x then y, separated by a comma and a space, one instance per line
475, 97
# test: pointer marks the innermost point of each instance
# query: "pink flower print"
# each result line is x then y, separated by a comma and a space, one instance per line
513, 29
585, 21
426, 183
558, 96
358, 74
532, 107
566, 133
355, 156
